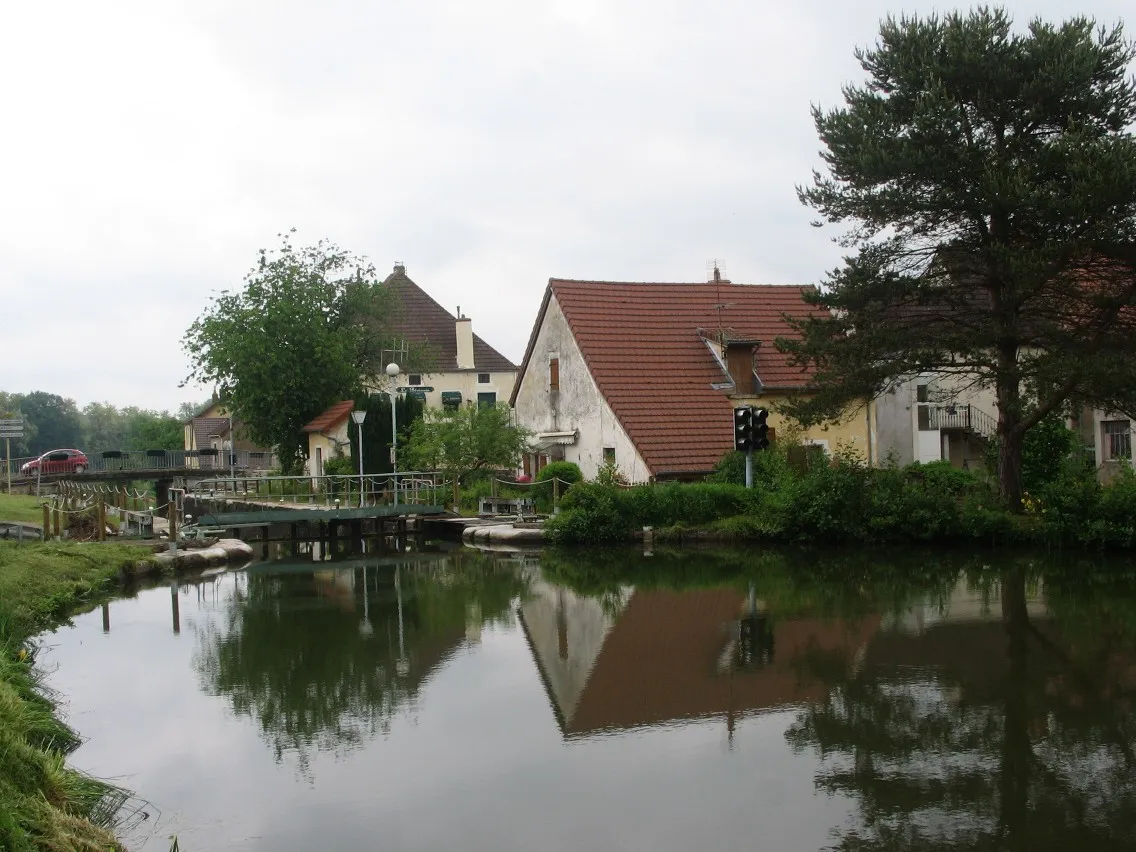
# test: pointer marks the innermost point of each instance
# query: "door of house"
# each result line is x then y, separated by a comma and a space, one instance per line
319, 462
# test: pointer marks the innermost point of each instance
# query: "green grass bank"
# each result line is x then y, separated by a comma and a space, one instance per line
21, 507
44, 805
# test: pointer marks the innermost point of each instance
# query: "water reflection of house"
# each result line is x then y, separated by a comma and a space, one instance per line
962, 639
644, 658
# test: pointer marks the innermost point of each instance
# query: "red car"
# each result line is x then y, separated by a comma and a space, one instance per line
56, 461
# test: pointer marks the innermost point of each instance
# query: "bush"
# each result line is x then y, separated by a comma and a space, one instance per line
590, 514
340, 465
566, 472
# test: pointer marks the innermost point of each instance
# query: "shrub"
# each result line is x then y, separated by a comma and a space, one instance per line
590, 514
566, 472
847, 502
340, 465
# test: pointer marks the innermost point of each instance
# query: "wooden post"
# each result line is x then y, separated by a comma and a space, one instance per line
173, 521
58, 513
46, 522
100, 519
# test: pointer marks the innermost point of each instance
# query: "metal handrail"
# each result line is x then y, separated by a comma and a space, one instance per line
419, 487
964, 417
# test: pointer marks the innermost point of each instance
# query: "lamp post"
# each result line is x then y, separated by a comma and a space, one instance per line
359, 417
393, 371
402, 664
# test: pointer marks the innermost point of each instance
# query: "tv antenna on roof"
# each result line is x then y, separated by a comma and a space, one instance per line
714, 276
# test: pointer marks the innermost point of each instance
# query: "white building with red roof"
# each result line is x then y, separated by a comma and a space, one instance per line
647, 375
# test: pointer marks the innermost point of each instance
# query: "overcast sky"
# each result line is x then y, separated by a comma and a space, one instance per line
150, 147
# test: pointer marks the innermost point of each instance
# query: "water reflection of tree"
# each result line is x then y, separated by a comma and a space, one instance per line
1038, 757
289, 652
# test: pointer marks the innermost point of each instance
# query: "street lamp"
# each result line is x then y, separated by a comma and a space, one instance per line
359, 417
393, 371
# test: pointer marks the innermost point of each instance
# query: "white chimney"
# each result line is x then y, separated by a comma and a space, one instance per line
463, 328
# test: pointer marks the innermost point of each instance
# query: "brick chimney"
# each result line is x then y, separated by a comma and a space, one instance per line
463, 329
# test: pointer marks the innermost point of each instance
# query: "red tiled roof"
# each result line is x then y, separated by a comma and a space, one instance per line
423, 320
642, 346
330, 417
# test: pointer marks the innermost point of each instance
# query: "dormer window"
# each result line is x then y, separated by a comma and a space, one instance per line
739, 361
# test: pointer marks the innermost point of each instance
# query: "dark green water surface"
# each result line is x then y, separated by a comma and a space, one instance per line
685, 700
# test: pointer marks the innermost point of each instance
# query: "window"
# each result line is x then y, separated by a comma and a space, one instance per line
922, 393
554, 374
414, 378
1117, 439
609, 455
483, 378
486, 399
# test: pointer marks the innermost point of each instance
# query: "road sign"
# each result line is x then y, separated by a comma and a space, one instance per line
11, 428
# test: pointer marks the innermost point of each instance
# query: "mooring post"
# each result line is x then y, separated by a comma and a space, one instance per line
56, 521
100, 520
106, 618
173, 524
46, 522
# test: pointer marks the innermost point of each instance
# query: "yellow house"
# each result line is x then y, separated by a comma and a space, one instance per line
647, 376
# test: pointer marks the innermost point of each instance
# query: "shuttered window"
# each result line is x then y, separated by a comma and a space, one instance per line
554, 374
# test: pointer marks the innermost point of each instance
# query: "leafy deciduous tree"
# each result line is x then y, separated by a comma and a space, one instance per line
305, 331
465, 439
989, 178
58, 422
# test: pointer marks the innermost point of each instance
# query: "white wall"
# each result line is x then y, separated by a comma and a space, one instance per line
898, 416
464, 381
577, 405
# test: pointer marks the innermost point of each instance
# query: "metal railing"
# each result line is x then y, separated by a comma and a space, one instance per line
242, 460
964, 417
412, 487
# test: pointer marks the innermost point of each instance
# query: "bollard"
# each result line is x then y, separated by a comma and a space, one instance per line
173, 519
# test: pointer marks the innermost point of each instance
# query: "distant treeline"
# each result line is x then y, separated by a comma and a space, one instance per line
54, 422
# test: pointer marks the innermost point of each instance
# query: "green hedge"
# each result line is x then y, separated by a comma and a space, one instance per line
849, 503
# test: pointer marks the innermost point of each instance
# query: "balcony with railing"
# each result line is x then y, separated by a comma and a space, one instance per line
957, 418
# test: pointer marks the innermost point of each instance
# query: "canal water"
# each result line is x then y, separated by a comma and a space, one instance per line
682, 700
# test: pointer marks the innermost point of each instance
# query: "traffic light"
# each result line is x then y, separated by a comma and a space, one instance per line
760, 429
743, 429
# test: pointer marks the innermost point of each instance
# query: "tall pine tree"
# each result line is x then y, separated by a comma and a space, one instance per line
987, 180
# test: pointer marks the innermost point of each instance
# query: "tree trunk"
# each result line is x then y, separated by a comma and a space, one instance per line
1010, 437
1010, 468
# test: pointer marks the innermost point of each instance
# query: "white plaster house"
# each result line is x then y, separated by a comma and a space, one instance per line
647, 375
935, 417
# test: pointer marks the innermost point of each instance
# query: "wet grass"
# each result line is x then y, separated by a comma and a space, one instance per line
21, 507
43, 803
